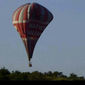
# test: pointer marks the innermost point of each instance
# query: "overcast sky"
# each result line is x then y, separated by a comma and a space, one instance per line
61, 47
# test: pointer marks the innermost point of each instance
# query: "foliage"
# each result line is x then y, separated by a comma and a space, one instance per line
6, 75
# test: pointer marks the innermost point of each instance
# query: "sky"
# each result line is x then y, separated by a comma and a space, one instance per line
61, 47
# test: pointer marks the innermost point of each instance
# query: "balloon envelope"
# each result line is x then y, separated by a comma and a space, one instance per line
30, 20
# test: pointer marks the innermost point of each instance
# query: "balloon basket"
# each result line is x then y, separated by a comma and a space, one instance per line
30, 65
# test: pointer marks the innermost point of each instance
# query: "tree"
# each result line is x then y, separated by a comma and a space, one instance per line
4, 74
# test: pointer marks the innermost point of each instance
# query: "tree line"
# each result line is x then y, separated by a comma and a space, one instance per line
6, 75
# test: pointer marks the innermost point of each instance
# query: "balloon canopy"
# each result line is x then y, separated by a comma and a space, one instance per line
30, 20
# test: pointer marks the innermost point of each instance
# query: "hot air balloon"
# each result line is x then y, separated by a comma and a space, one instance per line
30, 20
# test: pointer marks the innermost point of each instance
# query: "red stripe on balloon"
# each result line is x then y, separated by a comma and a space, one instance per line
25, 19
25, 13
18, 14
